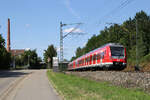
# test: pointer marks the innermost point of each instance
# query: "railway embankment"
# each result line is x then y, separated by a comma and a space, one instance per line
139, 80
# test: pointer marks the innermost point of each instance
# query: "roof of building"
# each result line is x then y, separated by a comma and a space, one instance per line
16, 52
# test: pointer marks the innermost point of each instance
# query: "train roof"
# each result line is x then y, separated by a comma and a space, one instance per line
108, 44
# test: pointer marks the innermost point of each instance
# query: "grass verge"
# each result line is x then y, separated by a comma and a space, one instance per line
74, 88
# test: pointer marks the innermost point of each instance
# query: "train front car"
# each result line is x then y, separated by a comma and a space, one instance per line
117, 56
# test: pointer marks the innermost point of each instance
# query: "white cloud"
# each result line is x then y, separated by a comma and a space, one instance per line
73, 30
27, 25
68, 5
58, 49
27, 49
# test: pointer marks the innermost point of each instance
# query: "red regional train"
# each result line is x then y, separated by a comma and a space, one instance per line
109, 56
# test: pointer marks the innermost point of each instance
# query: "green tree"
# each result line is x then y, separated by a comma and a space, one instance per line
49, 54
79, 52
73, 58
31, 57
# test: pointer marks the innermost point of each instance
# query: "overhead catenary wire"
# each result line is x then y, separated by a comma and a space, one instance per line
63, 36
78, 24
122, 5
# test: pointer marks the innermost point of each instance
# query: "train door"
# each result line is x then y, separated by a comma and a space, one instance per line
90, 59
98, 58
107, 54
74, 64
104, 59
101, 60
77, 64
82, 61
85, 61
94, 58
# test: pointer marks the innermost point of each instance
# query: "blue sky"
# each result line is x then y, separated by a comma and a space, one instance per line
35, 23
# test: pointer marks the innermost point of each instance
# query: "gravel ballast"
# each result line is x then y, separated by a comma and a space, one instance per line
139, 80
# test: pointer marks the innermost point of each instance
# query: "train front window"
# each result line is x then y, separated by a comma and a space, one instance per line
117, 52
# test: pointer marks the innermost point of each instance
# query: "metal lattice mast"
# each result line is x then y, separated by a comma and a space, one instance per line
63, 36
61, 42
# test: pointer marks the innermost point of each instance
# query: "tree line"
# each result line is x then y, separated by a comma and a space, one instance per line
28, 59
124, 34
5, 57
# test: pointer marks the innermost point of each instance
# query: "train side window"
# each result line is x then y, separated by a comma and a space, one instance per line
88, 59
98, 56
80, 62
102, 55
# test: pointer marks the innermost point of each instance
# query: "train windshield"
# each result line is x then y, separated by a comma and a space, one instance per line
117, 52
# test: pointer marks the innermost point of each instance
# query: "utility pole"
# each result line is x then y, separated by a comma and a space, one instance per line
14, 62
14, 65
137, 62
28, 60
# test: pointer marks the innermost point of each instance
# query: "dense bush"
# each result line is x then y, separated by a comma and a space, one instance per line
5, 57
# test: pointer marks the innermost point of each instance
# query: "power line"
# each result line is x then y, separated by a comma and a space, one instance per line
127, 3
78, 24
122, 5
